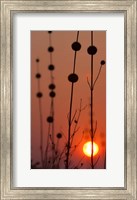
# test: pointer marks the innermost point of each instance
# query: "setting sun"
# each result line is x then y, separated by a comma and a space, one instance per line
87, 148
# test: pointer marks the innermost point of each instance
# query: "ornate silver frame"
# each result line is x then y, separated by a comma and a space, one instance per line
128, 7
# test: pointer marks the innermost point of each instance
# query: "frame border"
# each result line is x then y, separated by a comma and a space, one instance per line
8, 9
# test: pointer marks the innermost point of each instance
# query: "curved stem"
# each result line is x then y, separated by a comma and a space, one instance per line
97, 77
70, 111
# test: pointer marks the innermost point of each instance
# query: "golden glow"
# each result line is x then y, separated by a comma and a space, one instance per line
87, 148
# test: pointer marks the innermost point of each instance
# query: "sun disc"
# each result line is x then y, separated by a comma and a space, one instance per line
87, 148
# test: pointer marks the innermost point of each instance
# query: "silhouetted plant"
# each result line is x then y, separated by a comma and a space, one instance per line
39, 95
73, 78
92, 50
51, 117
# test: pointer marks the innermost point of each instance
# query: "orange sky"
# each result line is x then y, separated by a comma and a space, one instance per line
63, 57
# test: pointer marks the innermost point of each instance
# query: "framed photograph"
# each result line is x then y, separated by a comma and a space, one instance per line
63, 130
68, 100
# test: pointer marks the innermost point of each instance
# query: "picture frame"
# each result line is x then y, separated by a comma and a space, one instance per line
8, 9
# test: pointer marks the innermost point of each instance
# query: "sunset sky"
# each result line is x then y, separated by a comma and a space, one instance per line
63, 60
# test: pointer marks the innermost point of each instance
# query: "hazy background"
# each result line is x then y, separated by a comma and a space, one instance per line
63, 57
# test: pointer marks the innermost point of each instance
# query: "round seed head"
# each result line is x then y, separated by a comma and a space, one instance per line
102, 62
76, 46
59, 135
92, 50
38, 75
50, 49
49, 119
37, 60
73, 78
52, 86
51, 67
39, 94
52, 94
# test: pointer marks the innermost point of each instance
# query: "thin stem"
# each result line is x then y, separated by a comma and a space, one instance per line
52, 112
88, 83
41, 120
92, 135
97, 77
73, 116
70, 110
47, 146
69, 130
41, 130
77, 121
